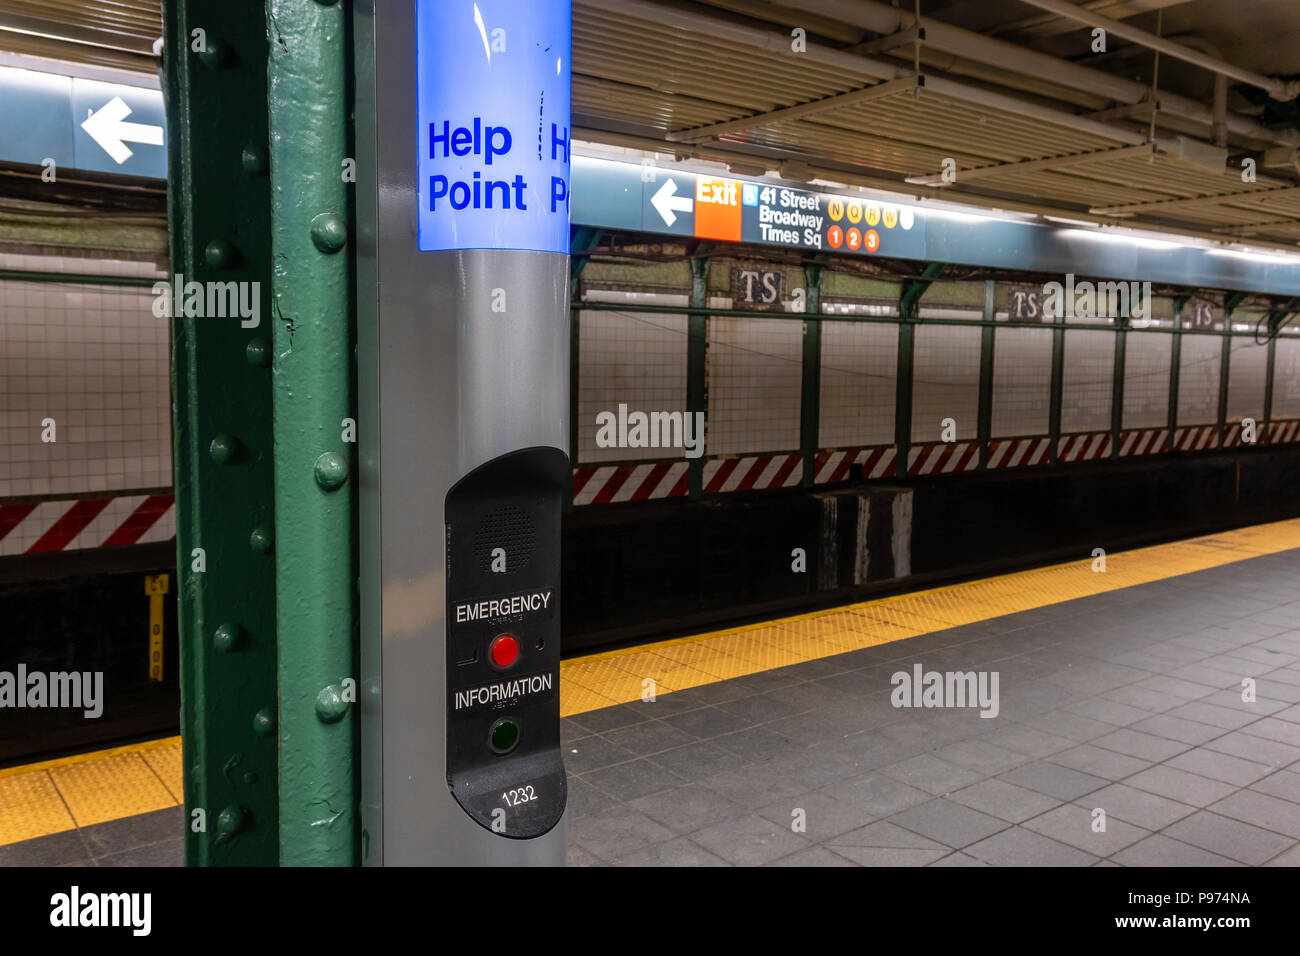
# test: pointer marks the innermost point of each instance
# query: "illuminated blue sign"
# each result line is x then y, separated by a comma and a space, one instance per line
493, 111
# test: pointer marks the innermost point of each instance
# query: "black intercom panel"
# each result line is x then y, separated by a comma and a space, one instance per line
504, 764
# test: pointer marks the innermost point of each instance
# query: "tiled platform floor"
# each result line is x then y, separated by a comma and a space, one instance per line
146, 839
1128, 702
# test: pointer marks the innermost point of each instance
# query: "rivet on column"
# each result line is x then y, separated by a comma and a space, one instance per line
262, 540
329, 232
225, 449
264, 721
228, 637
331, 470
230, 821
221, 254
254, 160
258, 352
330, 705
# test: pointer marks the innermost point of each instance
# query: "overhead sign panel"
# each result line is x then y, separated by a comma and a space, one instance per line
493, 169
82, 124
737, 210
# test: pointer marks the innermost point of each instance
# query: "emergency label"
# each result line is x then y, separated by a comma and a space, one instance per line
494, 608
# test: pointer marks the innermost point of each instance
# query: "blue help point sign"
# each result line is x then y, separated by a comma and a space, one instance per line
493, 105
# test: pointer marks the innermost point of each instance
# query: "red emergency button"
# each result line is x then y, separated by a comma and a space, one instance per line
504, 650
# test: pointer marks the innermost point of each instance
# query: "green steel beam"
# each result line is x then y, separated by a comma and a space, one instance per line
697, 348
987, 333
219, 214
76, 278
810, 385
910, 301
314, 425
885, 319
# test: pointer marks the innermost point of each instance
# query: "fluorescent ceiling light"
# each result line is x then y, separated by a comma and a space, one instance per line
1254, 256
1099, 236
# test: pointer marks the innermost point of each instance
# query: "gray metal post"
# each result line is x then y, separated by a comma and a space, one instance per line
463, 369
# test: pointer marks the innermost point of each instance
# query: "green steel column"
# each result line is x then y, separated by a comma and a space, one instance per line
810, 391
903, 396
985, 422
1225, 364
219, 211
1175, 367
1268, 388
583, 238
697, 349
1057, 387
909, 307
1117, 385
314, 438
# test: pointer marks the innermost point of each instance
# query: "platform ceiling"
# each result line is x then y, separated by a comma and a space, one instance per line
1031, 117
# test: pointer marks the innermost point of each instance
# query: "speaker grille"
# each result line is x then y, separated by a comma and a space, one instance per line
506, 527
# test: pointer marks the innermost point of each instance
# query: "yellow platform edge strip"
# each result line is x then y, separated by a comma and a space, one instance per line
58, 795
623, 676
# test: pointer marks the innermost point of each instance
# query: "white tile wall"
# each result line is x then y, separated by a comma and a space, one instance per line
1247, 375
754, 377
636, 358
1286, 378
945, 381
1086, 380
1198, 379
1022, 382
93, 358
859, 375
1146, 379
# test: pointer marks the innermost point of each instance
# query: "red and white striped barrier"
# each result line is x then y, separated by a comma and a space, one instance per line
836, 466
1087, 446
1018, 452
1143, 441
752, 472
941, 458
1282, 432
612, 483
79, 523
1195, 437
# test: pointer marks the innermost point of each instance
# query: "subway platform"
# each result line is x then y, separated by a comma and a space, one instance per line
1146, 715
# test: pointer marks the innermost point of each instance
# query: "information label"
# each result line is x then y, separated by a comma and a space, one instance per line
493, 114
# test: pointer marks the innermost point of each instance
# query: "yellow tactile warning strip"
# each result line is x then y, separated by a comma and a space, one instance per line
40, 799
616, 677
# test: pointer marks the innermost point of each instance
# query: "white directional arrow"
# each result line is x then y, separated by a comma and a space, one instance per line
107, 127
666, 200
